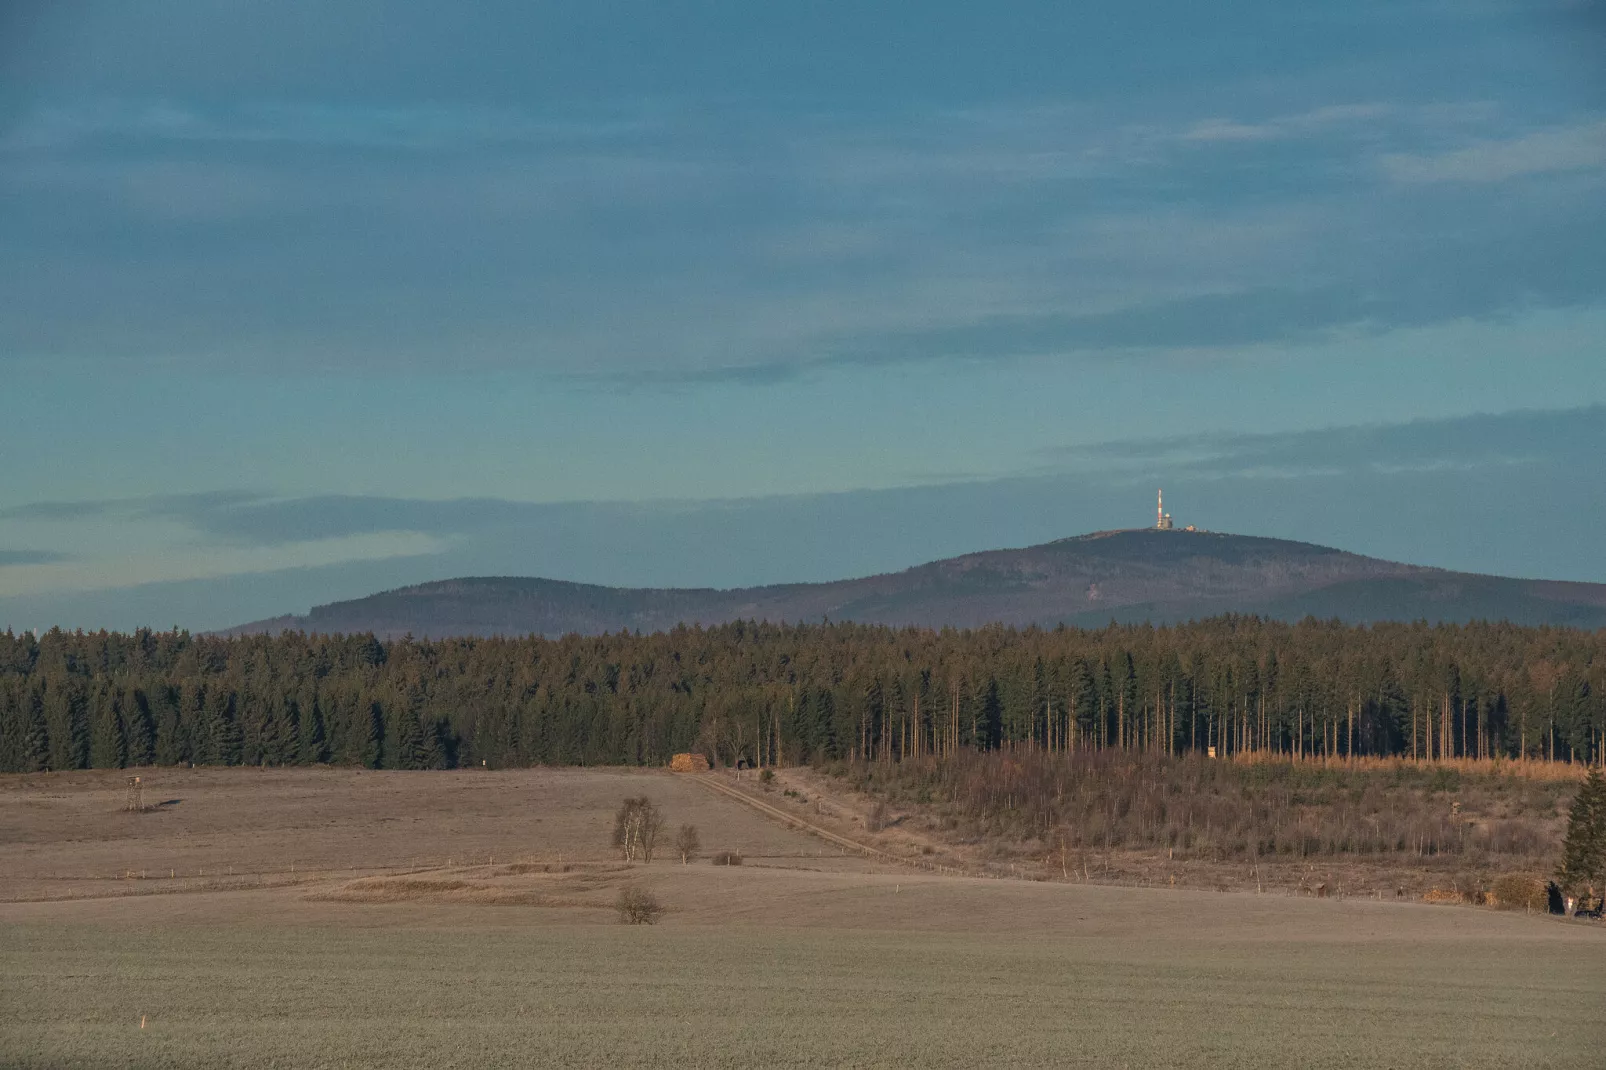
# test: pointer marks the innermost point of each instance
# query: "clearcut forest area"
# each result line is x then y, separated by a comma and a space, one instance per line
322, 917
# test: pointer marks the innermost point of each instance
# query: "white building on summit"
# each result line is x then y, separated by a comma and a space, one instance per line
1162, 519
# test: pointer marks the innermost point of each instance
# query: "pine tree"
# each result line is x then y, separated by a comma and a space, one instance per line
1583, 853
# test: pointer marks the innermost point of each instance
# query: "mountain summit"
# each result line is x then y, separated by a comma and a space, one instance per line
1126, 576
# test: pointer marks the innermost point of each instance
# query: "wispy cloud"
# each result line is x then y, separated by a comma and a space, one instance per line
164, 505
182, 563
16, 558
421, 128
1308, 123
655, 244
1465, 443
1579, 147
242, 522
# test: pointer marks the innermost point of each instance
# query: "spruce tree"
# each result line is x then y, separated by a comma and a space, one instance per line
989, 717
36, 747
370, 735
108, 749
312, 748
138, 730
229, 742
1583, 853
822, 732
12, 730
409, 740
67, 715
202, 728
171, 746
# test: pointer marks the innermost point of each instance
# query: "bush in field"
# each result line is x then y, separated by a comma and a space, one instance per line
687, 843
726, 858
637, 906
1515, 891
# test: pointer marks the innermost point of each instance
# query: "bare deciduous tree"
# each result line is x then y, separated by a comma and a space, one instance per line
686, 843
635, 829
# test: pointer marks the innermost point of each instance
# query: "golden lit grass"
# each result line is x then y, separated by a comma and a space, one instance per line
1525, 768
563, 891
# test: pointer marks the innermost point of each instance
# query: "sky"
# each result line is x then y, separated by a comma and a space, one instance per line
304, 300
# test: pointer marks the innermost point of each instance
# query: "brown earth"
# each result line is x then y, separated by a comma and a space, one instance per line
315, 906
518, 836
66, 835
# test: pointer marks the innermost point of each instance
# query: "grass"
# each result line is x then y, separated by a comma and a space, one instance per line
249, 997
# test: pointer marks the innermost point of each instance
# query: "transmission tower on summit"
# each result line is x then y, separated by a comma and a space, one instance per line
1162, 520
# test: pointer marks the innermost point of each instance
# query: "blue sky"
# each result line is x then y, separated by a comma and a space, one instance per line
307, 299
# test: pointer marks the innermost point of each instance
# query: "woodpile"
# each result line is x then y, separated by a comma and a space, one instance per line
688, 763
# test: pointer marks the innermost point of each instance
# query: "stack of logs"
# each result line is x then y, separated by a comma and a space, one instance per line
688, 763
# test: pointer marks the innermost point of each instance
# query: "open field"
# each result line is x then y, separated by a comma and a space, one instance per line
378, 952
65, 834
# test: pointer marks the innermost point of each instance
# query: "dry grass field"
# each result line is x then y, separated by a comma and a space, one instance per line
330, 918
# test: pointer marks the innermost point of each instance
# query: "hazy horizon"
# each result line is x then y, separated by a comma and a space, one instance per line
307, 302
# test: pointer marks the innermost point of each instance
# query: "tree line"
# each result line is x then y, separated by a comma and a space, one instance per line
768, 693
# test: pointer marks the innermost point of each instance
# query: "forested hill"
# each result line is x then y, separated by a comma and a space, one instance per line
1091, 580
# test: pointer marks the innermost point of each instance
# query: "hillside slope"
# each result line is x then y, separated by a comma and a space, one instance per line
1138, 575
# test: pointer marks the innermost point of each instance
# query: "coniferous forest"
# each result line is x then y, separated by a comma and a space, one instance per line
762, 693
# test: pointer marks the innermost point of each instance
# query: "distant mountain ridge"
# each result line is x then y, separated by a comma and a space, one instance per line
1127, 576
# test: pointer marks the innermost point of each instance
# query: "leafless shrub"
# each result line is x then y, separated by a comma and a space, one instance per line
726, 858
878, 817
637, 906
686, 843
